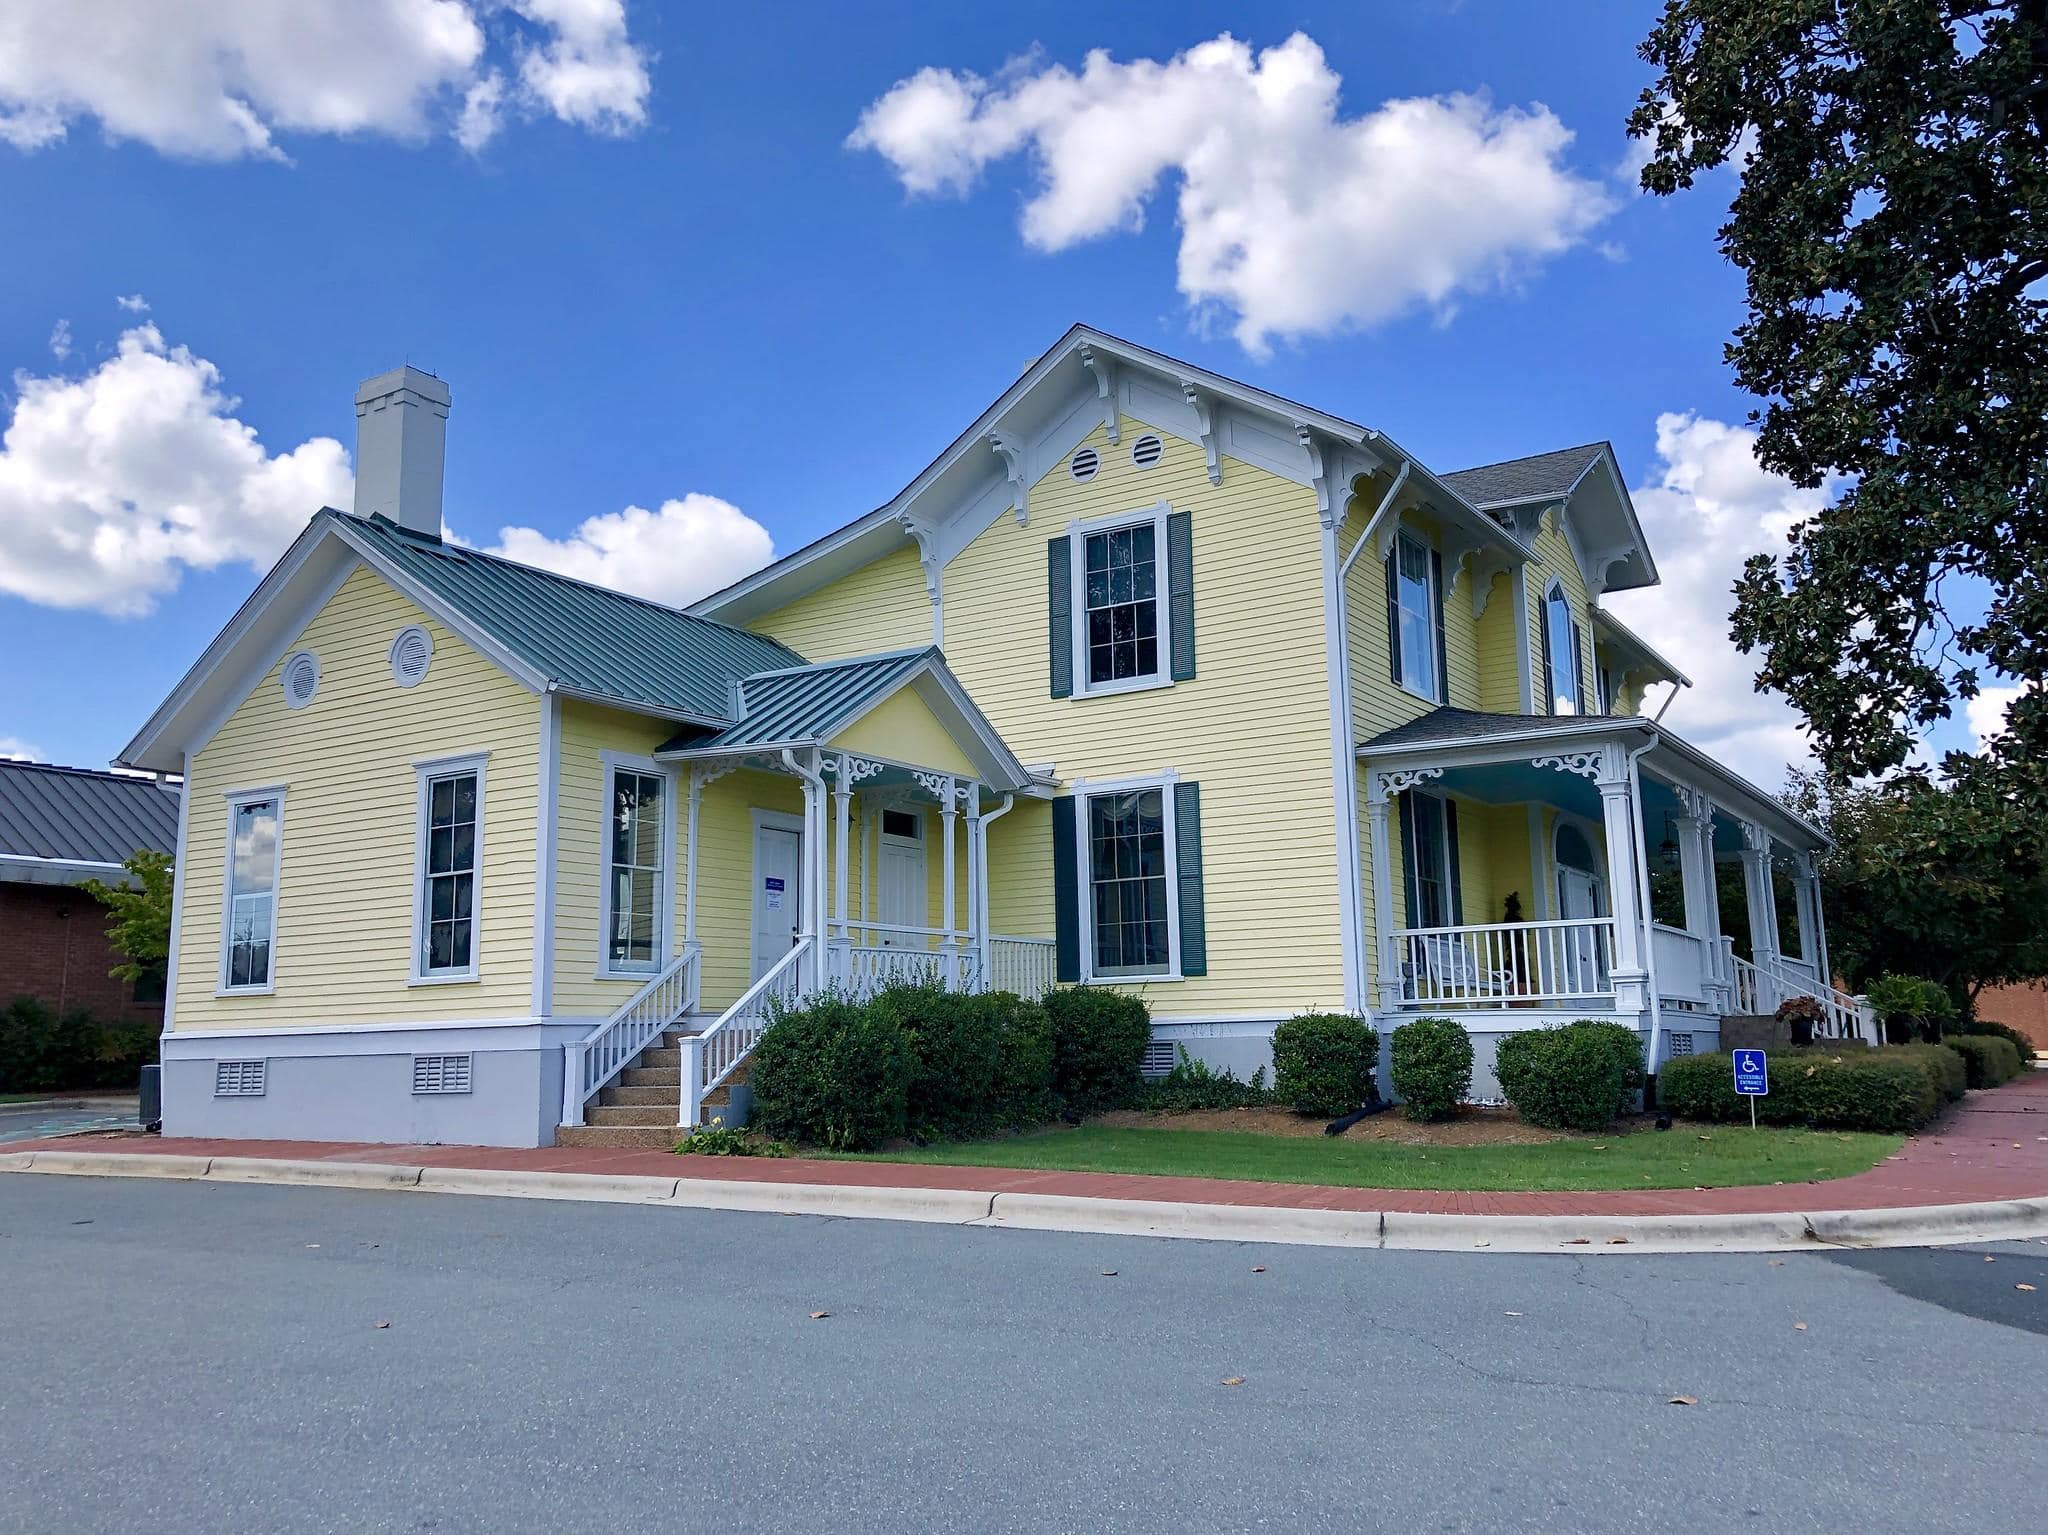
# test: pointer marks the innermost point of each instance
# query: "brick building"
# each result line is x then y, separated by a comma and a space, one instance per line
58, 828
2020, 1007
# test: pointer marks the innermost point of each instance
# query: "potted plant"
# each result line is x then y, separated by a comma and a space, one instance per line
1802, 1016
1511, 912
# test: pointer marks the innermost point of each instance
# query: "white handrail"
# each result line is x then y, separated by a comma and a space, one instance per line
590, 1063
1499, 963
1764, 989
712, 1056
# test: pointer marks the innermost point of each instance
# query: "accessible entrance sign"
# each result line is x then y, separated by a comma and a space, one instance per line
1752, 1079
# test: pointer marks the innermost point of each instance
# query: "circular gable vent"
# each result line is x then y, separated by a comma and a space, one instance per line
411, 652
301, 678
1082, 465
1146, 450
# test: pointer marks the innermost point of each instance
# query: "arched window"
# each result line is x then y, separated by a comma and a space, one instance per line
1564, 675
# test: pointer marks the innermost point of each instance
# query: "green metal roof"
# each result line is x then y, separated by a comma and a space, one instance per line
808, 703
584, 638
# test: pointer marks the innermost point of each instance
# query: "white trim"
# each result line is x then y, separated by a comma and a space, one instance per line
547, 819
284, 678
614, 762
178, 880
292, 630
236, 799
1079, 532
1432, 614
425, 771
433, 1035
1165, 783
1525, 660
391, 655
1556, 589
1343, 762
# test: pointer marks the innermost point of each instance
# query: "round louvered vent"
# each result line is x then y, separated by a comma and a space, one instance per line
301, 678
1084, 464
1146, 450
411, 652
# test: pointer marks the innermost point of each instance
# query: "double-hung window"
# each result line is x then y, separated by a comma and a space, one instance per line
249, 922
449, 860
636, 867
1413, 612
1564, 678
1120, 592
1426, 854
1131, 882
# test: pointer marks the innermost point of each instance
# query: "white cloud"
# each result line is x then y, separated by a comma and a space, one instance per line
222, 79
691, 546
112, 484
134, 303
1708, 506
60, 340
14, 749
1987, 711
1294, 219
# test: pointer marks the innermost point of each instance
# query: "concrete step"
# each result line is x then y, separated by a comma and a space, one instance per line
661, 1114
670, 1077
660, 1055
619, 1137
641, 1095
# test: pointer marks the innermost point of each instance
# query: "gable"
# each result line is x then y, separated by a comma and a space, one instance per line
902, 728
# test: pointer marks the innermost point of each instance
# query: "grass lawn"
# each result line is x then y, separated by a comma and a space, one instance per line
1689, 1156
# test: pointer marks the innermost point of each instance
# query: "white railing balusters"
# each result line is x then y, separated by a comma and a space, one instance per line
1494, 964
590, 1063
712, 1056
1764, 988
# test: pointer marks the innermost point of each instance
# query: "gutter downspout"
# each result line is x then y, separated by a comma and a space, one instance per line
1642, 863
1344, 743
980, 856
1669, 699
814, 862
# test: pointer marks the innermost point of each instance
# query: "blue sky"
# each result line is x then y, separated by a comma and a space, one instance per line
697, 287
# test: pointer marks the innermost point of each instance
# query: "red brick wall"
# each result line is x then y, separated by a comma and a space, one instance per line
2021, 1007
53, 945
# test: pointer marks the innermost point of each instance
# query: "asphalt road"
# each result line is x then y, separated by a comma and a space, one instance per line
58, 1115
186, 1357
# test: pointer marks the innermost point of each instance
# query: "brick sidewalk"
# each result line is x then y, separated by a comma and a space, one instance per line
1992, 1146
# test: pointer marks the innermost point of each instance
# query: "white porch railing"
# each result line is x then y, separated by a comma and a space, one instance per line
590, 1063
1023, 965
1498, 964
899, 956
1684, 966
1764, 988
712, 1056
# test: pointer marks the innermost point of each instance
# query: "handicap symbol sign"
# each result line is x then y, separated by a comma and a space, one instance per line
1752, 1078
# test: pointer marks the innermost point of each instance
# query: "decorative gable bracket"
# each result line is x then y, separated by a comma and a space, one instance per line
929, 558
1600, 567
1334, 469
1016, 469
1486, 564
1204, 408
1105, 388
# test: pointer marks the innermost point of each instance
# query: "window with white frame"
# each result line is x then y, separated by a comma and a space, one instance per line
1120, 604
1131, 881
1415, 599
450, 857
249, 926
1427, 861
1561, 655
636, 872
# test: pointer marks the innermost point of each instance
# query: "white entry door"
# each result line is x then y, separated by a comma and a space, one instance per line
901, 875
1584, 956
778, 894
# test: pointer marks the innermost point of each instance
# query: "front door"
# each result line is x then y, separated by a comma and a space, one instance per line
1583, 955
900, 866
778, 894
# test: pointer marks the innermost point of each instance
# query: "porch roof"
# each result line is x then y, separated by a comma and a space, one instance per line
1445, 726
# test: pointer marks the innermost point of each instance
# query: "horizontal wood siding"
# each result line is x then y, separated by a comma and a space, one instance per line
346, 868
881, 606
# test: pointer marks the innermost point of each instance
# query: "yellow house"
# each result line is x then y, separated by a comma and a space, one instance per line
1150, 680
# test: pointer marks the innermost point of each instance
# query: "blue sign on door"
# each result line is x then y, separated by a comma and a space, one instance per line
1752, 1076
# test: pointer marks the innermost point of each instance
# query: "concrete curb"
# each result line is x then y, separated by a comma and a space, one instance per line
1921, 1226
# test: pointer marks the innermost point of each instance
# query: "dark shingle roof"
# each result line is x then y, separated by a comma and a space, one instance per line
81, 816
586, 638
1445, 725
808, 703
1525, 479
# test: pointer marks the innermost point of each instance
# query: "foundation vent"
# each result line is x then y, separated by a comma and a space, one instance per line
1160, 1057
440, 1073
238, 1079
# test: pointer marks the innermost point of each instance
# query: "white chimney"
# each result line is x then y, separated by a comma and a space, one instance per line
401, 442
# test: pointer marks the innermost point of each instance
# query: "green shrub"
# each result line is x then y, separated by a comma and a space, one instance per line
43, 1052
1910, 1007
1578, 1077
1098, 1045
833, 1073
1431, 1067
1989, 1060
1323, 1063
1887, 1090
1944, 1067
2022, 1046
1194, 1084
717, 1140
983, 1062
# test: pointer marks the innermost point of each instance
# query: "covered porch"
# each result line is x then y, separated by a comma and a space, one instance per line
1531, 868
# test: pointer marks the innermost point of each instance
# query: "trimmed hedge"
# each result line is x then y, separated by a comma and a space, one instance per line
1891, 1090
2022, 1046
1576, 1077
1943, 1065
983, 1061
1431, 1067
43, 1052
1323, 1063
834, 1073
1098, 1047
1989, 1060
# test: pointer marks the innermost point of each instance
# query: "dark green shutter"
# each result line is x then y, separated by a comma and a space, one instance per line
1180, 593
1393, 621
1059, 616
1066, 892
1581, 664
1549, 705
1187, 824
1408, 887
1443, 672
1451, 858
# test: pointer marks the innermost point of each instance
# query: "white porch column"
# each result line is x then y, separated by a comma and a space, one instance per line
975, 943
1806, 899
1758, 894
949, 815
1702, 895
1619, 818
1382, 784
842, 804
